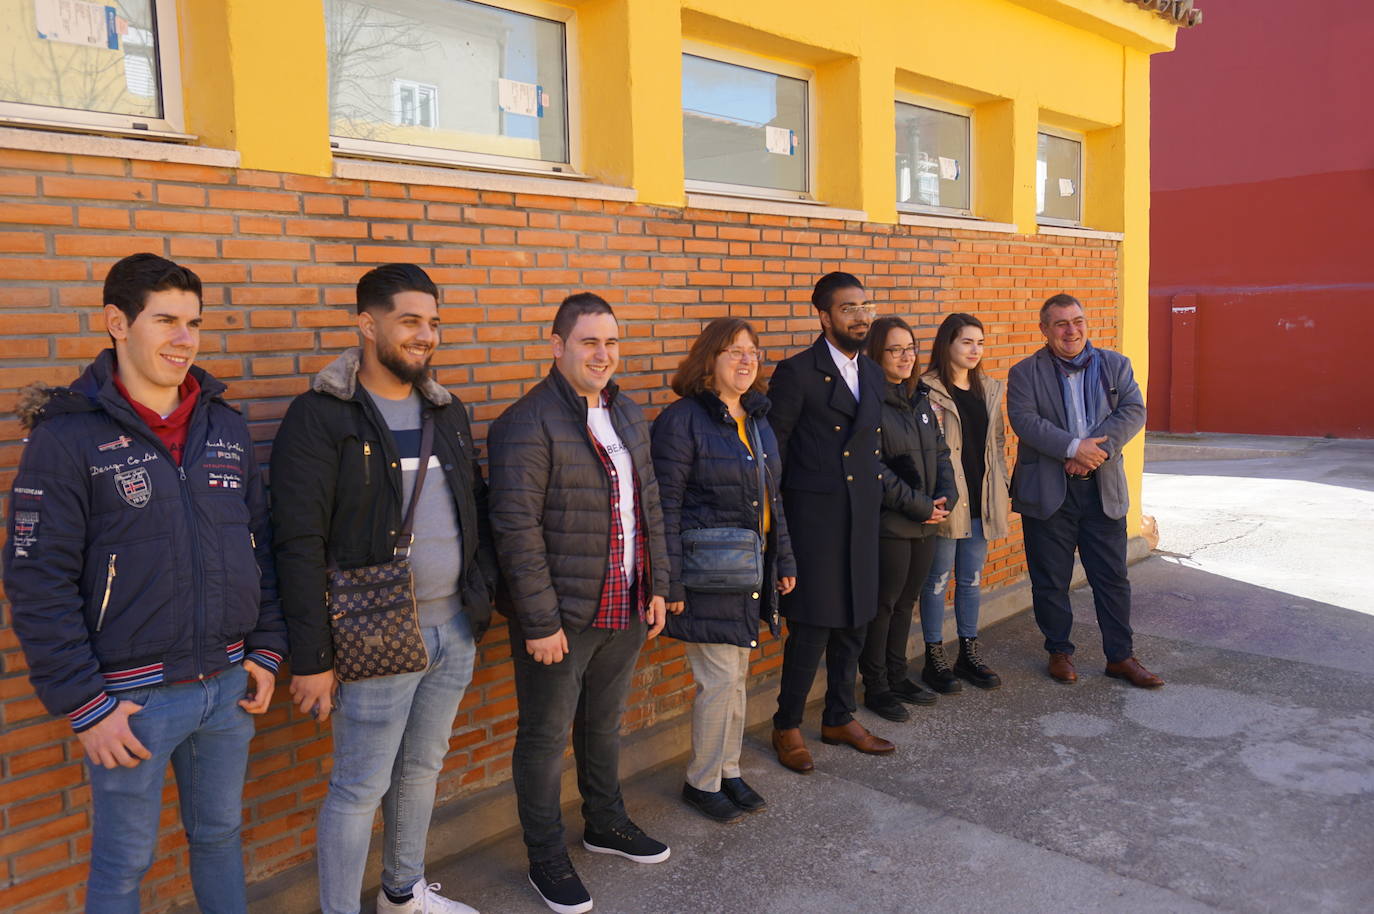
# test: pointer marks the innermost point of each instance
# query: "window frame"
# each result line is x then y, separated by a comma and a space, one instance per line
964, 111
170, 126
1082, 141
353, 148
750, 61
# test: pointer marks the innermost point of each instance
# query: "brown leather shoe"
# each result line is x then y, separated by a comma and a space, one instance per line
792, 751
854, 734
1131, 671
1061, 668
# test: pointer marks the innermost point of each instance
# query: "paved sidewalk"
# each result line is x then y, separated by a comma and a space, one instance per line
1246, 784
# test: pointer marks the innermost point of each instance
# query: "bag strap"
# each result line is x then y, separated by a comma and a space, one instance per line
756, 441
406, 538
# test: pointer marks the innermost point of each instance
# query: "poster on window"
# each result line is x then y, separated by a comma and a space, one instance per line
780, 141
516, 97
91, 25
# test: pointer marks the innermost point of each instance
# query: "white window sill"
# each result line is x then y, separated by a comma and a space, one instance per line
448, 176
768, 207
967, 223
87, 144
1067, 231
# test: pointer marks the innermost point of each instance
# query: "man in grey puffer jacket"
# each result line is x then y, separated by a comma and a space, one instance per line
579, 534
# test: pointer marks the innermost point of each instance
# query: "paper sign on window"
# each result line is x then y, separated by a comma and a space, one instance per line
780, 141
91, 25
949, 168
1066, 187
516, 97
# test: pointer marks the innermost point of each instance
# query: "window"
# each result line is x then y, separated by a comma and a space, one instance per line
68, 63
1059, 178
415, 105
745, 130
450, 81
934, 164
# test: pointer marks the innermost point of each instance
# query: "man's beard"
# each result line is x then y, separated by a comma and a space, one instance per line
406, 372
847, 341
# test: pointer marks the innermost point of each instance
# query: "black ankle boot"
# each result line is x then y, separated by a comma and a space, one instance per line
937, 673
971, 667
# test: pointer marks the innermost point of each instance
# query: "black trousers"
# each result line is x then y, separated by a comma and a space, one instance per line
585, 693
1101, 543
902, 568
801, 658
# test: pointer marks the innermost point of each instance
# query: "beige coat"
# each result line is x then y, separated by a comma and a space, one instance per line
996, 490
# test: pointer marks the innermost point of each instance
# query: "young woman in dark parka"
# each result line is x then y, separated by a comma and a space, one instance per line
705, 448
918, 493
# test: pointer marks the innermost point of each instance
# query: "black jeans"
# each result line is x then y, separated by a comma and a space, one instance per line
585, 692
902, 568
1101, 543
801, 658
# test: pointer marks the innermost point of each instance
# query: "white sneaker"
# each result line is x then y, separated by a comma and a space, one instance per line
424, 899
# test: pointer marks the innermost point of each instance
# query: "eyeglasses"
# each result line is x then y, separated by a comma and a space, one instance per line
742, 355
867, 309
898, 351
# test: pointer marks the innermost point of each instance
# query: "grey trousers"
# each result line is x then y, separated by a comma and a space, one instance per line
717, 712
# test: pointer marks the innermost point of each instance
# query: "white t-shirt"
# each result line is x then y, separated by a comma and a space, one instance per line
599, 423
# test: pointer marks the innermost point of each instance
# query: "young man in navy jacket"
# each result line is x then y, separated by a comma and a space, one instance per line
139, 571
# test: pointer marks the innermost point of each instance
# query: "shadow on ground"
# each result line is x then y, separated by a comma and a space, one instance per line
1244, 785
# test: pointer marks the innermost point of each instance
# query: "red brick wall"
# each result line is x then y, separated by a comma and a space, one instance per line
280, 254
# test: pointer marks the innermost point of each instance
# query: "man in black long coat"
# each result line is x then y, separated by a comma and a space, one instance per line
826, 413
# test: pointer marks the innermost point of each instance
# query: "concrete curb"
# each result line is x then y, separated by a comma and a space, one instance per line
462, 825
1162, 446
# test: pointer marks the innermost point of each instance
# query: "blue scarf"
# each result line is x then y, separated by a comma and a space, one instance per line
1088, 362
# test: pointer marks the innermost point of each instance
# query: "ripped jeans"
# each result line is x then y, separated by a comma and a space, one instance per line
965, 559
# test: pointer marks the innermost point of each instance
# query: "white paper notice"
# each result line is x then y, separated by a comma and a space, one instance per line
1066, 187
75, 22
779, 141
517, 97
949, 169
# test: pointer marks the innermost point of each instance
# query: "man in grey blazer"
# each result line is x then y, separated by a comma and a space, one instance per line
1074, 407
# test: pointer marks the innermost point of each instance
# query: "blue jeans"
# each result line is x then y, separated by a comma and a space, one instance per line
198, 727
965, 558
390, 738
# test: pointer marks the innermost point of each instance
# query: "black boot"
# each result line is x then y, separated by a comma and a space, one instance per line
886, 705
937, 673
971, 667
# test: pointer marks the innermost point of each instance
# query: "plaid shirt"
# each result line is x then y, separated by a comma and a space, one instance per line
618, 597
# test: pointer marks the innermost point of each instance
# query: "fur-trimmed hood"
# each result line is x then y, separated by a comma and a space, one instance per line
340, 379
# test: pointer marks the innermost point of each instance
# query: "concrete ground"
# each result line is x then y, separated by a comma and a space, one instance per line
1245, 784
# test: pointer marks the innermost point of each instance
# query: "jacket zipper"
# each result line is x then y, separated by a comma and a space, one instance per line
367, 463
197, 570
109, 585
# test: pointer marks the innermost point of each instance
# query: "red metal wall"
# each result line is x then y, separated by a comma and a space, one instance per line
1262, 270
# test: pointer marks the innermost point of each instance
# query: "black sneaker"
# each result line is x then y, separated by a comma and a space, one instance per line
713, 805
937, 673
912, 693
742, 795
556, 882
971, 667
626, 841
886, 706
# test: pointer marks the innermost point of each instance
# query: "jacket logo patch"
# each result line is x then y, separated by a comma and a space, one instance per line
925, 419
223, 481
135, 487
25, 531
122, 441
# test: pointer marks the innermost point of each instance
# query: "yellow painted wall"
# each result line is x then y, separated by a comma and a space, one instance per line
1080, 64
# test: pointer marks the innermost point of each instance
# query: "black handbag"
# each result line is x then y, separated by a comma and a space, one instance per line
727, 559
373, 618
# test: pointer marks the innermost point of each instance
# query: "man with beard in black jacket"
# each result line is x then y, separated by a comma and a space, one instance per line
344, 467
827, 413
579, 532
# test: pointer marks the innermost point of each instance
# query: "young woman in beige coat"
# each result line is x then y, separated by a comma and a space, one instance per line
968, 404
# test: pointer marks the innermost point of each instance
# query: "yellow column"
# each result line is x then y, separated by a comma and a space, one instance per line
255, 79
1135, 249
631, 71
1025, 125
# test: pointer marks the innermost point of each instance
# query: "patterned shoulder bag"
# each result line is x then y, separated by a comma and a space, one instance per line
372, 611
